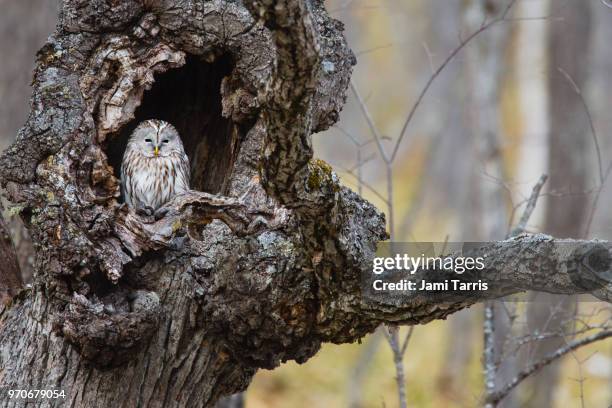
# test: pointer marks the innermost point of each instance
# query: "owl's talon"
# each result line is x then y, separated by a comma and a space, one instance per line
145, 211
160, 213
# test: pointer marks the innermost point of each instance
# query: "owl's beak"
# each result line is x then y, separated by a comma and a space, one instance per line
156, 151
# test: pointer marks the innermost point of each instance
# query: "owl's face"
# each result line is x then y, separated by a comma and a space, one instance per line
155, 138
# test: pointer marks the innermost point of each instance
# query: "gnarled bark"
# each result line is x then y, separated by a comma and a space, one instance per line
260, 264
10, 274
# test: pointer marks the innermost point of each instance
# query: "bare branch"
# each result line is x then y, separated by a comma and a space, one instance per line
392, 334
603, 174
484, 27
365, 184
370, 50
535, 367
578, 91
515, 265
366, 113
531, 204
407, 340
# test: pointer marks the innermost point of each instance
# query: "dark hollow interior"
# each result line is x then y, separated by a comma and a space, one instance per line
189, 98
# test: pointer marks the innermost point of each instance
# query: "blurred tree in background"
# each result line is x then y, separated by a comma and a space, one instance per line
24, 25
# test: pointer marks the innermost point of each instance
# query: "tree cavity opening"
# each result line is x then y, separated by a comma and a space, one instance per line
189, 98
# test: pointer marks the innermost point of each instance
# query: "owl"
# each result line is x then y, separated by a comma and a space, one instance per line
155, 167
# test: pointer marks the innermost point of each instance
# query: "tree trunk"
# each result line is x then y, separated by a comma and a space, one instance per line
27, 23
571, 157
260, 263
10, 275
486, 71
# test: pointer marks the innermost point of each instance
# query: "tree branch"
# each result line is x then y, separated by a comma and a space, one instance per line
531, 204
526, 262
497, 396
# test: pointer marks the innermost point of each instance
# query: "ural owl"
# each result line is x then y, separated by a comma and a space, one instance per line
155, 167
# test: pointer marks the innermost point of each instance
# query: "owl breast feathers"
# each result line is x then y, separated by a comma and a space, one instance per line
155, 167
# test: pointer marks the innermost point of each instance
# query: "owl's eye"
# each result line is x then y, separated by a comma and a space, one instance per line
148, 140
165, 141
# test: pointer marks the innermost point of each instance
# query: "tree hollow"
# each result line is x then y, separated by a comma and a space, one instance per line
189, 98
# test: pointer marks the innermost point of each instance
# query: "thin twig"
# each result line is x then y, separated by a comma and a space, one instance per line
361, 162
497, 396
354, 140
489, 311
529, 339
366, 113
603, 175
369, 50
489, 349
445, 244
392, 334
539, 18
451, 56
349, 135
531, 204
407, 340
366, 185
596, 202
429, 56
580, 380
578, 91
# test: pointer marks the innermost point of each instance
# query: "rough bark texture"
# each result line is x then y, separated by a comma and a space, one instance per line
260, 265
185, 308
10, 275
24, 27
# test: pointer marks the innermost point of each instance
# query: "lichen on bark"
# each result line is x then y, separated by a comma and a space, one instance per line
229, 279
